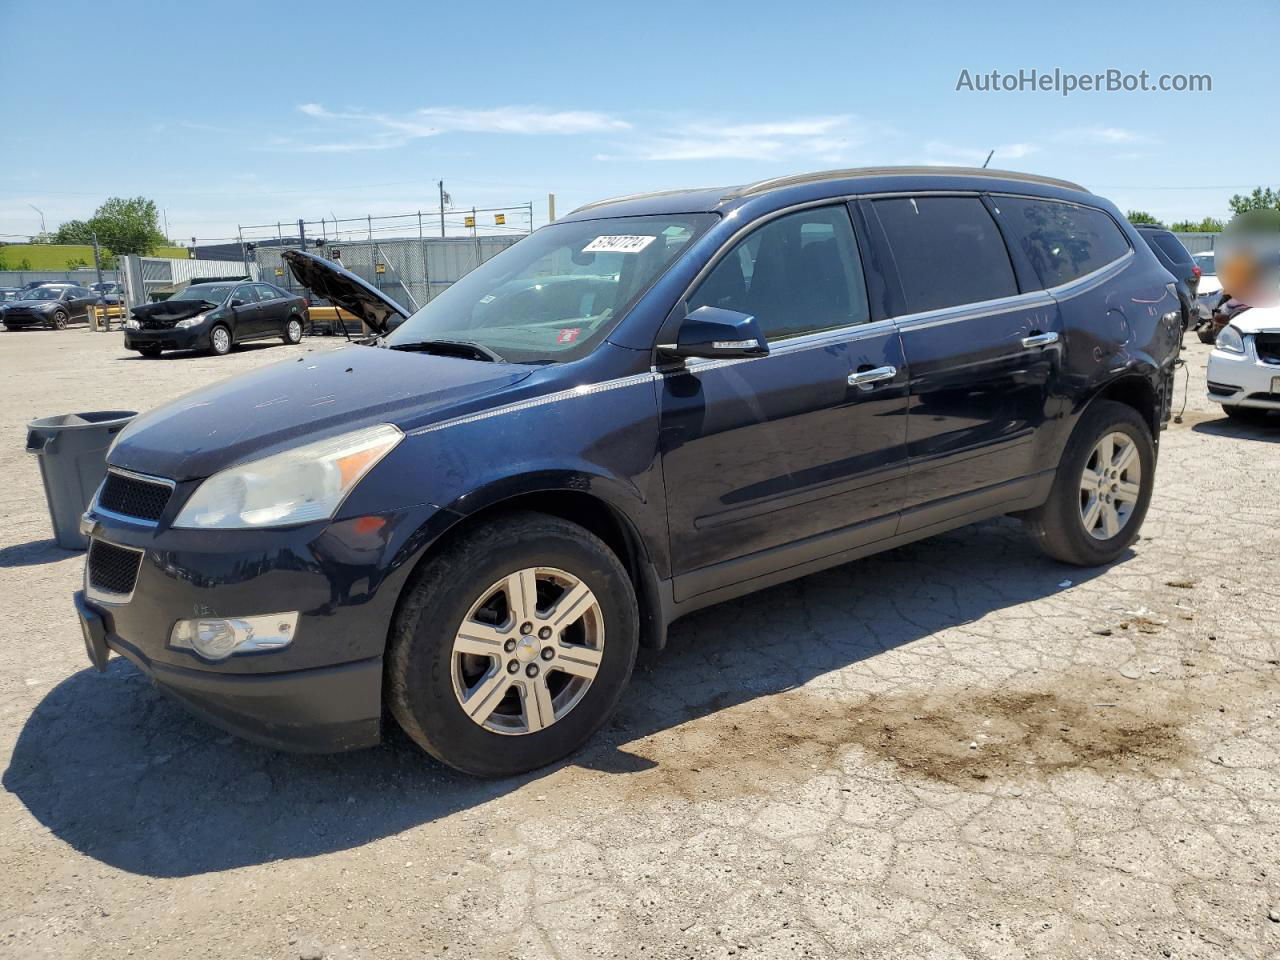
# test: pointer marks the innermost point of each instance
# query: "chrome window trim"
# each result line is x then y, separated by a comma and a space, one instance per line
108, 597
1090, 280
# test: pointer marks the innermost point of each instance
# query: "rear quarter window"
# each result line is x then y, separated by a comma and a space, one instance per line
1173, 248
1063, 241
947, 249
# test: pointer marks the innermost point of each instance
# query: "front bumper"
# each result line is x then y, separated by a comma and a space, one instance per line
174, 338
321, 693
1243, 379
11, 319
322, 710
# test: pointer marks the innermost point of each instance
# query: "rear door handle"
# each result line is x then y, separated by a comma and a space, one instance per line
1040, 340
864, 378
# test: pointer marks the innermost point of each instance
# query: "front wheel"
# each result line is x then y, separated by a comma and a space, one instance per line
220, 341
1102, 488
513, 645
59, 320
293, 331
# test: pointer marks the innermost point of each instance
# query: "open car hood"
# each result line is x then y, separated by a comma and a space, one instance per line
327, 279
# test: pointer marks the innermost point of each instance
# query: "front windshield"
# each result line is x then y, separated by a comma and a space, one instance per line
213, 292
1205, 262
556, 294
43, 293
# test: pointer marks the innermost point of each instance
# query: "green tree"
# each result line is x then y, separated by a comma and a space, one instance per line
74, 231
1141, 216
1262, 198
128, 226
1207, 225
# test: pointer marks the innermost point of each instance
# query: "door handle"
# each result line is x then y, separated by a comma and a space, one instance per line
1040, 340
864, 378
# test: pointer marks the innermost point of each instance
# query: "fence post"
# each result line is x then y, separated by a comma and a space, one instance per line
426, 276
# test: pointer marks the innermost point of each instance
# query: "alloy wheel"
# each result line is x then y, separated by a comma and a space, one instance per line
294, 331
221, 340
1110, 486
59, 320
527, 650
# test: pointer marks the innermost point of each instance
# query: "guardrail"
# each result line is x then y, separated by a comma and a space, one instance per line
101, 315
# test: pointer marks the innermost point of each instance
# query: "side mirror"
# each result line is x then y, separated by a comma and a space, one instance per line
237, 302
716, 333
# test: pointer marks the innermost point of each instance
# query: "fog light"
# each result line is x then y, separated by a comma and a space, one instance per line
218, 638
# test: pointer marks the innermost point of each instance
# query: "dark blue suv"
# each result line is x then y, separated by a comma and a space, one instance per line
657, 403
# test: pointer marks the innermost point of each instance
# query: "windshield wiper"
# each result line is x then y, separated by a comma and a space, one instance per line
451, 348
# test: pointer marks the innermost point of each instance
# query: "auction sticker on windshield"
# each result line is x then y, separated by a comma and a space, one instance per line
617, 244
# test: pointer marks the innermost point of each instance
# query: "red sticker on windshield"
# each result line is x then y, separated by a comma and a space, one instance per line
568, 335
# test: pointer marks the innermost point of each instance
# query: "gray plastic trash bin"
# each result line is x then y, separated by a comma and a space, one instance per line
72, 450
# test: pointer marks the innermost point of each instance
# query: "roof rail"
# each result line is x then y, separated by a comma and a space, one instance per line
763, 186
636, 196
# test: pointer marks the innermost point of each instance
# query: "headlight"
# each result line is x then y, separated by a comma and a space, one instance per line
132, 324
298, 486
191, 321
1230, 340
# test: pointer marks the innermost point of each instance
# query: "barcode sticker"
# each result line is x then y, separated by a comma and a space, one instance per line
617, 244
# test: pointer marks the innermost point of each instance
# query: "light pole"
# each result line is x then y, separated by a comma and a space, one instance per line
43, 231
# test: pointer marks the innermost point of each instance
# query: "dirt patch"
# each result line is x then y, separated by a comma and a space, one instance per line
950, 735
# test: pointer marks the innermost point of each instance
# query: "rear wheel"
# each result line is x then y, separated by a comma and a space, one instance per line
1207, 334
293, 331
513, 645
220, 341
59, 320
1102, 488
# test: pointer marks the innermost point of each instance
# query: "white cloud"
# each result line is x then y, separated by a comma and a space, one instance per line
1111, 135
826, 138
937, 152
385, 131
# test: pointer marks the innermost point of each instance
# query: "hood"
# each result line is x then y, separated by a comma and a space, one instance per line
297, 401
32, 304
327, 279
168, 312
1257, 320
1208, 285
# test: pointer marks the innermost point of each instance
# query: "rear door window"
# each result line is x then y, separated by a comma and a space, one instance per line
797, 274
1063, 241
947, 249
266, 292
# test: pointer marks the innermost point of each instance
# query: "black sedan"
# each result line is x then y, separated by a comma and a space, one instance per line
51, 305
215, 317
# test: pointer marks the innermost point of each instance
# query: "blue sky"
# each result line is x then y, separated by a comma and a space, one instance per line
250, 113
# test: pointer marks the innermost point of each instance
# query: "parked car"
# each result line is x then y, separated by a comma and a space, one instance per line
1244, 367
10, 294
1174, 257
52, 305
215, 317
475, 521
1209, 284
110, 291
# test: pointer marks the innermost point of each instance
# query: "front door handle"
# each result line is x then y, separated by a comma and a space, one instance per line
864, 378
1040, 340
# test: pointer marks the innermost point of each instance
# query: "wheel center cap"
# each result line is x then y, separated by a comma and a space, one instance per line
527, 649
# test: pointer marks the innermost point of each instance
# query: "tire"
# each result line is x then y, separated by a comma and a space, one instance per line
1206, 335
427, 679
1060, 527
149, 351
1245, 414
219, 341
59, 321
292, 331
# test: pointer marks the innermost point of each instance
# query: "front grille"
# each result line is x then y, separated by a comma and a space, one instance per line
113, 569
134, 497
1268, 346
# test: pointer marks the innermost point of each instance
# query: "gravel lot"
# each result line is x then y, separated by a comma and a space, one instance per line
956, 749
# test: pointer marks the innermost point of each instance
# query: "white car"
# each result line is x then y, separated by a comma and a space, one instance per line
1209, 283
1244, 368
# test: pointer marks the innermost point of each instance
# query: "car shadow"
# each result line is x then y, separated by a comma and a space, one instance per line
33, 553
121, 774
1264, 429
251, 347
